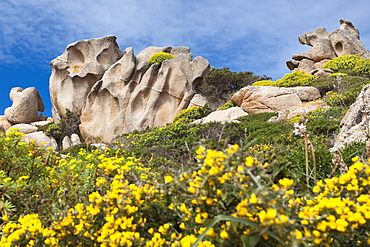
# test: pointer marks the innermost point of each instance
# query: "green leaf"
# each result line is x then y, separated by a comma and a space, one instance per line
250, 241
233, 219
235, 225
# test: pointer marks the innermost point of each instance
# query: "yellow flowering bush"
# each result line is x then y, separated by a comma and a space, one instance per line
227, 198
352, 64
265, 83
294, 79
159, 57
191, 114
227, 105
345, 63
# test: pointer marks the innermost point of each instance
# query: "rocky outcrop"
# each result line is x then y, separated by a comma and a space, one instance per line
299, 110
223, 116
31, 134
258, 99
82, 64
198, 100
133, 95
23, 128
26, 105
356, 122
327, 46
117, 92
40, 139
72, 141
4, 124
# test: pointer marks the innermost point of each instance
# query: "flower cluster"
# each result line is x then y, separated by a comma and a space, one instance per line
227, 199
294, 79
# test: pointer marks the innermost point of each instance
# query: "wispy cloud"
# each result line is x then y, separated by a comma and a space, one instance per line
244, 35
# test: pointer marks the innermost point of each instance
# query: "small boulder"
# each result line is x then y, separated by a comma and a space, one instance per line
72, 141
198, 100
26, 105
259, 99
66, 142
5, 123
299, 110
41, 123
223, 116
75, 140
41, 139
23, 128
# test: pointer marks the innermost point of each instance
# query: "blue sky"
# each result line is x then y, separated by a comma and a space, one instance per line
244, 35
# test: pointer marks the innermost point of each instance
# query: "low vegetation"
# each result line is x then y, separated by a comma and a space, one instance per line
159, 57
233, 184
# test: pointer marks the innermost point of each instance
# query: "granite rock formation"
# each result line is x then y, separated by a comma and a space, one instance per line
327, 46
258, 99
132, 95
82, 64
26, 105
356, 122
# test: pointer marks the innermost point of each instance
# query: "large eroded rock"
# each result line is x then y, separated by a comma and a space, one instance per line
26, 105
327, 46
258, 99
356, 122
133, 95
82, 64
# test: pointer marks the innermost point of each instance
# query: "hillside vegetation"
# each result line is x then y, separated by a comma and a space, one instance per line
233, 184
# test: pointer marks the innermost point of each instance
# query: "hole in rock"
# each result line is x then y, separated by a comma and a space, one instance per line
75, 56
338, 47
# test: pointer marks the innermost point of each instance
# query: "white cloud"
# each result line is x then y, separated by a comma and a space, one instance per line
245, 35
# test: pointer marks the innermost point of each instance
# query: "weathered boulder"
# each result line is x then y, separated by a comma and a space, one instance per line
72, 141
299, 110
41, 139
82, 64
66, 142
198, 100
4, 123
327, 46
75, 140
41, 123
228, 115
346, 40
258, 99
133, 95
23, 128
26, 105
356, 122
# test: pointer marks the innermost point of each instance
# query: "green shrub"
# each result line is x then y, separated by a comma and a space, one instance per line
191, 114
325, 121
265, 83
345, 91
337, 74
362, 68
227, 105
227, 199
352, 150
221, 84
52, 130
159, 57
350, 64
296, 79
342, 63
66, 127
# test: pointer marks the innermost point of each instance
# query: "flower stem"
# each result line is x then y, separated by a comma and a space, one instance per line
306, 152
